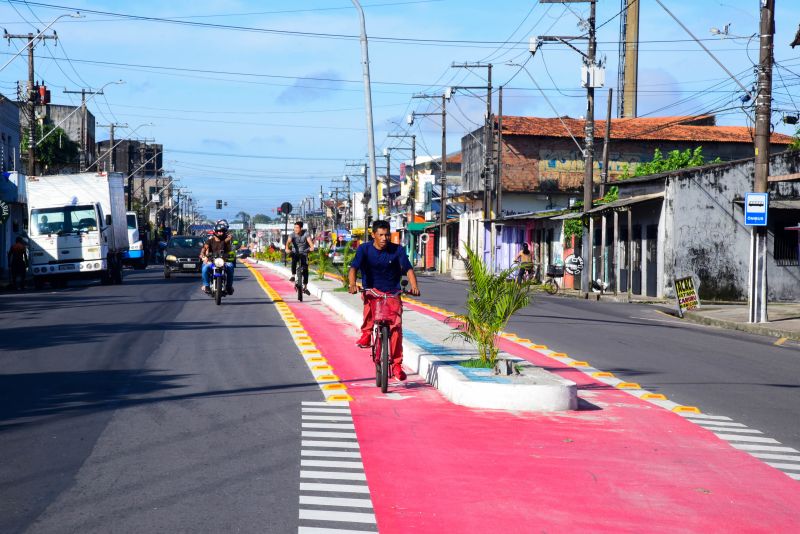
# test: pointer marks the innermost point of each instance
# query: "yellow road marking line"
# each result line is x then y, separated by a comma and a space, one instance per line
781, 341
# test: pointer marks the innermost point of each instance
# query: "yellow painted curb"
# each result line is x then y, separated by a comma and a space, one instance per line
311, 351
340, 397
534, 346
316, 359
523, 340
628, 385
579, 364
559, 355
306, 343
603, 374
686, 409
330, 387
654, 396
327, 378
322, 367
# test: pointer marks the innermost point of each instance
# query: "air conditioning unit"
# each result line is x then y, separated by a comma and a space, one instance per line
593, 76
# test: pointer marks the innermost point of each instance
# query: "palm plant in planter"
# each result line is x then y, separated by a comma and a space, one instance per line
492, 299
348, 253
321, 259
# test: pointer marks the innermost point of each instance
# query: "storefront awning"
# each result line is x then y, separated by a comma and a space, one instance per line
624, 202
417, 226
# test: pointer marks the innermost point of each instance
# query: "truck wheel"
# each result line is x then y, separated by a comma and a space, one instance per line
167, 274
117, 272
38, 283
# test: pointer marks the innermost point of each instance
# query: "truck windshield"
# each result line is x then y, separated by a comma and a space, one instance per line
63, 220
131, 221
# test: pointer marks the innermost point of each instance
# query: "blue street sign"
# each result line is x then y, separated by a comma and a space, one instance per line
756, 206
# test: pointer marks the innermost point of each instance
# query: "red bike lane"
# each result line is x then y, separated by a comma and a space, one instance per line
617, 464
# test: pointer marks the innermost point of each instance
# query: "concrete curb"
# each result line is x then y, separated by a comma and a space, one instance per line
547, 392
756, 328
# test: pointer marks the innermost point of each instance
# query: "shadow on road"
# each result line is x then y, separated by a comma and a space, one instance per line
33, 395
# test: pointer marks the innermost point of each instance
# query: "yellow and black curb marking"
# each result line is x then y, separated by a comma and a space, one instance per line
632, 388
329, 383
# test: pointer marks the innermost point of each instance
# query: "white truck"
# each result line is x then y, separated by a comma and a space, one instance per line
78, 228
135, 255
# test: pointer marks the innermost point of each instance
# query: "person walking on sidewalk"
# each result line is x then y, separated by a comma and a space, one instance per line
382, 265
301, 242
18, 263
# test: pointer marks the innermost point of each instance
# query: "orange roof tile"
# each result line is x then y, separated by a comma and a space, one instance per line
648, 128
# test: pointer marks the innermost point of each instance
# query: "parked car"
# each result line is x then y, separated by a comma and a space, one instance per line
182, 254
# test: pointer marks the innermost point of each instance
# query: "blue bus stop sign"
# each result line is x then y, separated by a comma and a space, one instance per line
755, 209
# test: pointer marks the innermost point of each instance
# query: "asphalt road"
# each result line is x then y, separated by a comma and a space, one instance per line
146, 408
722, 372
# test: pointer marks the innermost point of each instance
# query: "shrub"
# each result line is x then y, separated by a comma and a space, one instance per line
321, 259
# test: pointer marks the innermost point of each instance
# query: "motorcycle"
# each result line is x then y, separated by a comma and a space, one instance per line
219, 281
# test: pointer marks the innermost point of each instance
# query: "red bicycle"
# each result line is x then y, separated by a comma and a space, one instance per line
386, 308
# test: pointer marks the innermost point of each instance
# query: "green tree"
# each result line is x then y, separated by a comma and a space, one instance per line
260, 218
795, 144
53, 153
675, 160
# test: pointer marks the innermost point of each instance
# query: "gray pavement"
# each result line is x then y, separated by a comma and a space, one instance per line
146, 408
784, 319
723, 372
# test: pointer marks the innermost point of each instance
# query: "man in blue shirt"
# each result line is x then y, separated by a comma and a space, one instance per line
382, 265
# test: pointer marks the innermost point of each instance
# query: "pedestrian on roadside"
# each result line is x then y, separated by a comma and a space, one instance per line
18, 263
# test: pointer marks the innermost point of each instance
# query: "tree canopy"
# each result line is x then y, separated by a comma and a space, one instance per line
676, 159
55, 151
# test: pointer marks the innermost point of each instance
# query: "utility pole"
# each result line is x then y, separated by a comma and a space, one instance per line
588, 178
412, 188
32, 94
606, 141
628, 77
758, 240
499, 165
84, 135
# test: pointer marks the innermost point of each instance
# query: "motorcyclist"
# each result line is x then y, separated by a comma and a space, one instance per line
218, 245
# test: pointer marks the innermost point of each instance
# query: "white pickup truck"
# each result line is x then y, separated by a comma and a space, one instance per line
78, 228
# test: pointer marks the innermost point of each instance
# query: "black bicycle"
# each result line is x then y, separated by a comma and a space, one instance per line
302, 273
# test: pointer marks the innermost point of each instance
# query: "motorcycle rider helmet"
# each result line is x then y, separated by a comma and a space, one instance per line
221, 228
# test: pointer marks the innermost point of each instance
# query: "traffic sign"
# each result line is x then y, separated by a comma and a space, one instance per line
756, 206
286, 208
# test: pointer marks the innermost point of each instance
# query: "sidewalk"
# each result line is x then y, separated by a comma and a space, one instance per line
618, 463
784, 319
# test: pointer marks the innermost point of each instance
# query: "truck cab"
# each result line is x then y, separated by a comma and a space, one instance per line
135, 255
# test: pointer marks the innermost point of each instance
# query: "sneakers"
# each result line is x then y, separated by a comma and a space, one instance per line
365, 341
291, 279
206, 290
306, 291
397, 371
230, 290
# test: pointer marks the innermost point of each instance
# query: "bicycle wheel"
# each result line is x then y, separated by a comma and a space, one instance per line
299, 286
550, 286
384, 358
376, 358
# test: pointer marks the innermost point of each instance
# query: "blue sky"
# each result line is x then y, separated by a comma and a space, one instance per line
260, 117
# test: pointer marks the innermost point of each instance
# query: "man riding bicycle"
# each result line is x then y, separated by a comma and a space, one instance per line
302, 244
219, 245
382, 265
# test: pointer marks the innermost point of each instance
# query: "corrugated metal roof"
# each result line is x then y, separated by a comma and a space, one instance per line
622, 202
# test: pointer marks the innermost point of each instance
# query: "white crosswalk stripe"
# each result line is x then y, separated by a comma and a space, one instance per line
333, 488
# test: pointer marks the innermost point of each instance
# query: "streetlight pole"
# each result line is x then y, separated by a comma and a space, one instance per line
373, 204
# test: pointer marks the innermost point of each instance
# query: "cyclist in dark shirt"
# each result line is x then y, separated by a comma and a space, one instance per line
382, 265
299, 244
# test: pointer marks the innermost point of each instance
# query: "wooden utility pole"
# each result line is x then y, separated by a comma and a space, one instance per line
84, 134
758, 241
32, 93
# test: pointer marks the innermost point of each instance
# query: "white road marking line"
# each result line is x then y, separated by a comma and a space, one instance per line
332, 411
335, 501
691, 416
330, 454
330, 444
344, 517
314, 403
795, 476
310, 434
752, 439
772, 448
767, 456
720, 423
738, 430
333, 488
332, 426
327, 418
316, 530
334, 475
776, 465
330, 463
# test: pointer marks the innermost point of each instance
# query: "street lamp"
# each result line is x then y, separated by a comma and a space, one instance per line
76, 15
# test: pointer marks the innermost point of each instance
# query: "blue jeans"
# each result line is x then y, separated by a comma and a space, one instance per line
208, 269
